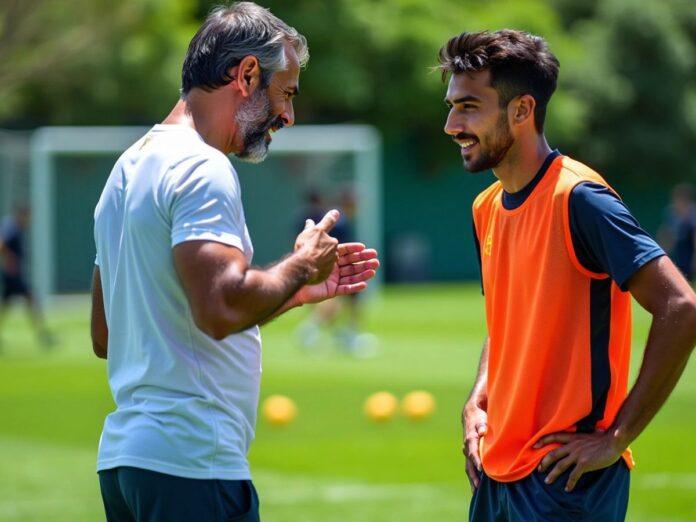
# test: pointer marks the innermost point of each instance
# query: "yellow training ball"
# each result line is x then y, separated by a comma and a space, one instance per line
279, 410
418, 405
380, 406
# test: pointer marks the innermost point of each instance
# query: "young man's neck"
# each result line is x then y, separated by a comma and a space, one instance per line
192, 111
522, 162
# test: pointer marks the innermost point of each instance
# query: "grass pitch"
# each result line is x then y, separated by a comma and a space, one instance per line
330, 464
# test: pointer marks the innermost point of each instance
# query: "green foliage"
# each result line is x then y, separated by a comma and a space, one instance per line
636, 82
373, 61
639, 118
626, 100
96, 62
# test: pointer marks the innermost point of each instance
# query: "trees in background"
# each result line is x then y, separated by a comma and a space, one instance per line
638, 85
626, 98
90, 61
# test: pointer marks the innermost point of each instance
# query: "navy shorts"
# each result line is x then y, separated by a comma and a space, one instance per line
599, 496
14, 286
139, 495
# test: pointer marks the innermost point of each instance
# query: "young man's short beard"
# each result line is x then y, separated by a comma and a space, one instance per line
254, 119
496, 147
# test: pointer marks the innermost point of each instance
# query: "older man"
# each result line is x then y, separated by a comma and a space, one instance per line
176, 304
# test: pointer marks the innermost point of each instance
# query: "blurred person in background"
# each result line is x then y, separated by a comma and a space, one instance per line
548, 424
678, 231
13, 235
314, 208
339, 317
176, 303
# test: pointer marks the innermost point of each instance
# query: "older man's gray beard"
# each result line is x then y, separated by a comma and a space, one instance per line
254, 120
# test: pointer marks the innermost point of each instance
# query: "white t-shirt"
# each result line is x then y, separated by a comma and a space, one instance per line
185, 403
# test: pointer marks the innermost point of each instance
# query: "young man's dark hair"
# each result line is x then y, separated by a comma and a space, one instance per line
519, 63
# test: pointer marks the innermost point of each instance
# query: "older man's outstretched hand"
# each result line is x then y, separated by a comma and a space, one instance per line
355, 266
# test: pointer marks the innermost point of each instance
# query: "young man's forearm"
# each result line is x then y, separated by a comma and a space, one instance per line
474, 419
478, 396
670, 343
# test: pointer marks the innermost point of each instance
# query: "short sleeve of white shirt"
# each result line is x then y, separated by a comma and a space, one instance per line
204, 202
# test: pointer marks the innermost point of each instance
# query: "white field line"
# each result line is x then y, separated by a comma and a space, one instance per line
288, 490
280, 490
664, 480
349, 493
20, 509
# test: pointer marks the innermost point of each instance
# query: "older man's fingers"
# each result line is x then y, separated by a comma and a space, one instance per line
329, 220
365, 275
348, 289
360, 266
354, 257
349, 248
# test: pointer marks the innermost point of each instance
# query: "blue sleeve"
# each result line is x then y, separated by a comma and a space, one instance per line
606, 237
478, 253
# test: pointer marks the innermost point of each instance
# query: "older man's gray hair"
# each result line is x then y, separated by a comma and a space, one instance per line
231, 33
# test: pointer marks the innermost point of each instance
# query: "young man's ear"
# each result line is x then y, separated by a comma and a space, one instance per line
246, 76
522, 109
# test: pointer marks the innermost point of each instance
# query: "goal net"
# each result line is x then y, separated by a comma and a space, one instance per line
69, 166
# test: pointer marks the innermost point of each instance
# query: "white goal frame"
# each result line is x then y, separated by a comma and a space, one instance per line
14, 149
363, 141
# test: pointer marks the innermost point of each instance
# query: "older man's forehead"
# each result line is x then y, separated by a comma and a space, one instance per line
289, 76
291, 56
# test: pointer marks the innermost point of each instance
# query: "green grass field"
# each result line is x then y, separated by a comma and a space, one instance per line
330, 464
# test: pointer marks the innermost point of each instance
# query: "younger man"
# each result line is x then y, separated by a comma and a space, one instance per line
549, 421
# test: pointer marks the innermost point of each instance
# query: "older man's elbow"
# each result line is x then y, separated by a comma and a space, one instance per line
219, 322
99, 350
